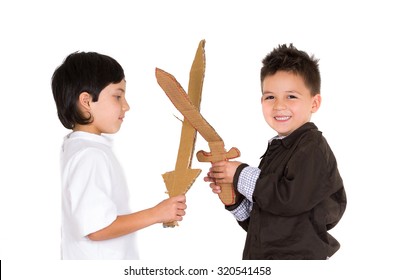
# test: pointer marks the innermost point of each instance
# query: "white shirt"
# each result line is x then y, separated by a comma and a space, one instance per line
94, 193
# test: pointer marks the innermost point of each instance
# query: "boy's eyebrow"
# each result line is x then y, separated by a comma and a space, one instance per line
293, 91
285, 92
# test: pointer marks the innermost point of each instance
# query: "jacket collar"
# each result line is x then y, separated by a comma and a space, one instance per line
290, 139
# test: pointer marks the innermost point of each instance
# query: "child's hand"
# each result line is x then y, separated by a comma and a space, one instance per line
215, 188
171, 209
221, 172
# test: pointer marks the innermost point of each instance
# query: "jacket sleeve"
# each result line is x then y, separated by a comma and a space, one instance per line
309, 177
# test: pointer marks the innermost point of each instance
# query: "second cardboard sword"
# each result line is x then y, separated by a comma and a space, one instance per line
180, 180
191, 113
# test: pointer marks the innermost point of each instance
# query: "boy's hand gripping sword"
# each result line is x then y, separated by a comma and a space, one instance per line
191, 113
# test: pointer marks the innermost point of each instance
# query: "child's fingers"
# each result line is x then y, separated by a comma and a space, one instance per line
217, 169
181, 212
181, 206
218, 163
215, 188
180, 198
217, 174
208, 178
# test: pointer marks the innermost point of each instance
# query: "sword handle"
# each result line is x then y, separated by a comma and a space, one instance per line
170, 224
227, 195
203, 156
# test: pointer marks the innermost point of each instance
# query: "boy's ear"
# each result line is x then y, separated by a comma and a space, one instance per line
85, 100
316, 103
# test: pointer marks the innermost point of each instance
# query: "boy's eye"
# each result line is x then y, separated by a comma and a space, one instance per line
292, 97
269, 97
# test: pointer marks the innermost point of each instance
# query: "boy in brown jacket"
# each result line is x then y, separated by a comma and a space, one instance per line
289, 203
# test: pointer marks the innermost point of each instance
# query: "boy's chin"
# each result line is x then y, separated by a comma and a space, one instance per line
112, 131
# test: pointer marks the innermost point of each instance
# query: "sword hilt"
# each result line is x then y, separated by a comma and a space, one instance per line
203, 156
228, 194
170, 224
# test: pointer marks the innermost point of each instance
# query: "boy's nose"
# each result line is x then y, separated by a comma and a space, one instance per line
279, 105
126, 107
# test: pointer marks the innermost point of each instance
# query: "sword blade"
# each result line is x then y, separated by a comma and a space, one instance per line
195, 85
180, 100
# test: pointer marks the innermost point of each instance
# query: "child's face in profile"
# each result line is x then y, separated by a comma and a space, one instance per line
108, 112
287, 103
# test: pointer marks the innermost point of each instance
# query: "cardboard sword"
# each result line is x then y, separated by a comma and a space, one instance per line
181, 179
191, 113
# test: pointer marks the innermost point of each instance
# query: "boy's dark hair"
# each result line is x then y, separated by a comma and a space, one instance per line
290, 59
82, 72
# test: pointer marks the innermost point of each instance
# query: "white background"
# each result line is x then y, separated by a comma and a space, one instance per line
351, 38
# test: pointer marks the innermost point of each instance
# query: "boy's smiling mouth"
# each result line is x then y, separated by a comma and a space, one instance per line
282, 118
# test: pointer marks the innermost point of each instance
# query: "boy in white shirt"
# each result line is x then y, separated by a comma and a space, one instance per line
89, 91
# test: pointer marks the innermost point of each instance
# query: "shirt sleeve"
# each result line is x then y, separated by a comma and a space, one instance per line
245, 184
247, 180
89, 191
242, 212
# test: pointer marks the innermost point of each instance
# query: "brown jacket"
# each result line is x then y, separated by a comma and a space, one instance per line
298, 197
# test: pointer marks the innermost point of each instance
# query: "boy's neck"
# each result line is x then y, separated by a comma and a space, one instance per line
86, 128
